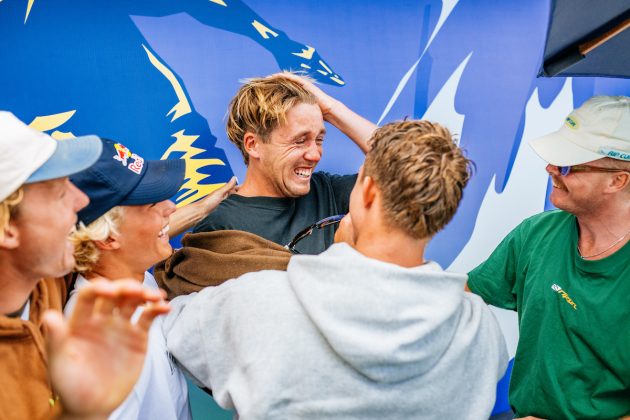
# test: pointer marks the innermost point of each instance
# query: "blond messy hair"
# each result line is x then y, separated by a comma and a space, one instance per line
8, 209
261, 105
421, 173
86, 253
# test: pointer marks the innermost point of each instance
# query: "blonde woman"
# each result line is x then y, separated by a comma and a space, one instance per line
122, 233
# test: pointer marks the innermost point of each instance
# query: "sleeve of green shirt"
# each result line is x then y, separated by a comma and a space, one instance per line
496, 279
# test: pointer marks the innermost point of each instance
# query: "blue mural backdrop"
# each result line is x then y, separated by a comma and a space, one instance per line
158, 75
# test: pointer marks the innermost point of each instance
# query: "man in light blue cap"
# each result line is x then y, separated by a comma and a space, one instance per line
38, 210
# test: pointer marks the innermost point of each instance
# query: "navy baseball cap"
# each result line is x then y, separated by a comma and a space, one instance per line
122, 178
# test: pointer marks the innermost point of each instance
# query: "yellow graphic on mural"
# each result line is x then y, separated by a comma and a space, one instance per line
192, 188
29, 6
263, 30
306, 53
182, 107
221, 2
50, 122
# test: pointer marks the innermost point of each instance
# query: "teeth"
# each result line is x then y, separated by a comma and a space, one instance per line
304, 172
164, 231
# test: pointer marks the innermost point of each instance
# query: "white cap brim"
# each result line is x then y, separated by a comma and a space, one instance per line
557, 149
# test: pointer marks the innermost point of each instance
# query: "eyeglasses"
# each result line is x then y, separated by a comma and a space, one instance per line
566, 170
307, 231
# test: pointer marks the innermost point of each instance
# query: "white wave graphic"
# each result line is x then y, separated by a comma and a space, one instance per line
523, 196
447, 8
442, 109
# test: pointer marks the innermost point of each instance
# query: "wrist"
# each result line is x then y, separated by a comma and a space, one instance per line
332, 110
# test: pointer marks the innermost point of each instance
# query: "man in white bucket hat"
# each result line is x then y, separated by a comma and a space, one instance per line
567, 273
88, 364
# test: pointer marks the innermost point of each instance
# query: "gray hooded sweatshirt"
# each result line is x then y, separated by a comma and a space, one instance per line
340, 335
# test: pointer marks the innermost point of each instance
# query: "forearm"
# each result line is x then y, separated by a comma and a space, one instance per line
186, 217
357, 128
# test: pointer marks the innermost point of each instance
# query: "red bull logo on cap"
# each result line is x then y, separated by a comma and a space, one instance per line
123, 154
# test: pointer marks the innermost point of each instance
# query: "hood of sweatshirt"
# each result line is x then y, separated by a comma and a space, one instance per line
388, 322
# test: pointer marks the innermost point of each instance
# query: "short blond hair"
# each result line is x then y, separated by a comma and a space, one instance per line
421, 173
86, 253
9, 208
261, 105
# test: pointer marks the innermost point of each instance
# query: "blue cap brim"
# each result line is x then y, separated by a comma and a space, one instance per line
70, 156
161, 181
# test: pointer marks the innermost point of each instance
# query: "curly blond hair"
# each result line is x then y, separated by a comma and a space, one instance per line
9, 208
261, 105
86, 253
421, 173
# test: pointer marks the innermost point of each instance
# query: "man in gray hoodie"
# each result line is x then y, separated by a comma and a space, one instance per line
368, 328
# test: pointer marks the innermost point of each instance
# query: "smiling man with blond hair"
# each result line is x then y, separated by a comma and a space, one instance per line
277, 123
567, 275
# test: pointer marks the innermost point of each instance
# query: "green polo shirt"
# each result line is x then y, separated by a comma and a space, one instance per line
573, 354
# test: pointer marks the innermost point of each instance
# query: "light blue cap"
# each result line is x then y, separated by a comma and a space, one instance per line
70, 156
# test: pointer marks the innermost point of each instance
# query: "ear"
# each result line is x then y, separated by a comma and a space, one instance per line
109, 244
11, 238
619, 181
251, 143
369, 190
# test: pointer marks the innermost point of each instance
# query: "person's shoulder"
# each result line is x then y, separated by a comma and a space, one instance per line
219, 218
323, 176
546, 220
323, 179
249, 287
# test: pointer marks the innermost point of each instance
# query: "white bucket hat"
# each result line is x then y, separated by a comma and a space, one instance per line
599, 128
28, 155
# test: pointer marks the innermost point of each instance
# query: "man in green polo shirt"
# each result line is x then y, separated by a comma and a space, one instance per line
567, 273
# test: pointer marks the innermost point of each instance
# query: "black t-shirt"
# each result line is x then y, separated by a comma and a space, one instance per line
280, 219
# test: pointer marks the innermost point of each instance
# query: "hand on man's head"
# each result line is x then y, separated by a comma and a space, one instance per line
324, 101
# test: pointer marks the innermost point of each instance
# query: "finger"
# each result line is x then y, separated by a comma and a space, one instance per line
128, 305
150, 312
87, 297
105, 305
226, 189
56, 330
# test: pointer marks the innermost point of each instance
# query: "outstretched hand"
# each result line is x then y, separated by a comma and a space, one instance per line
95, 358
